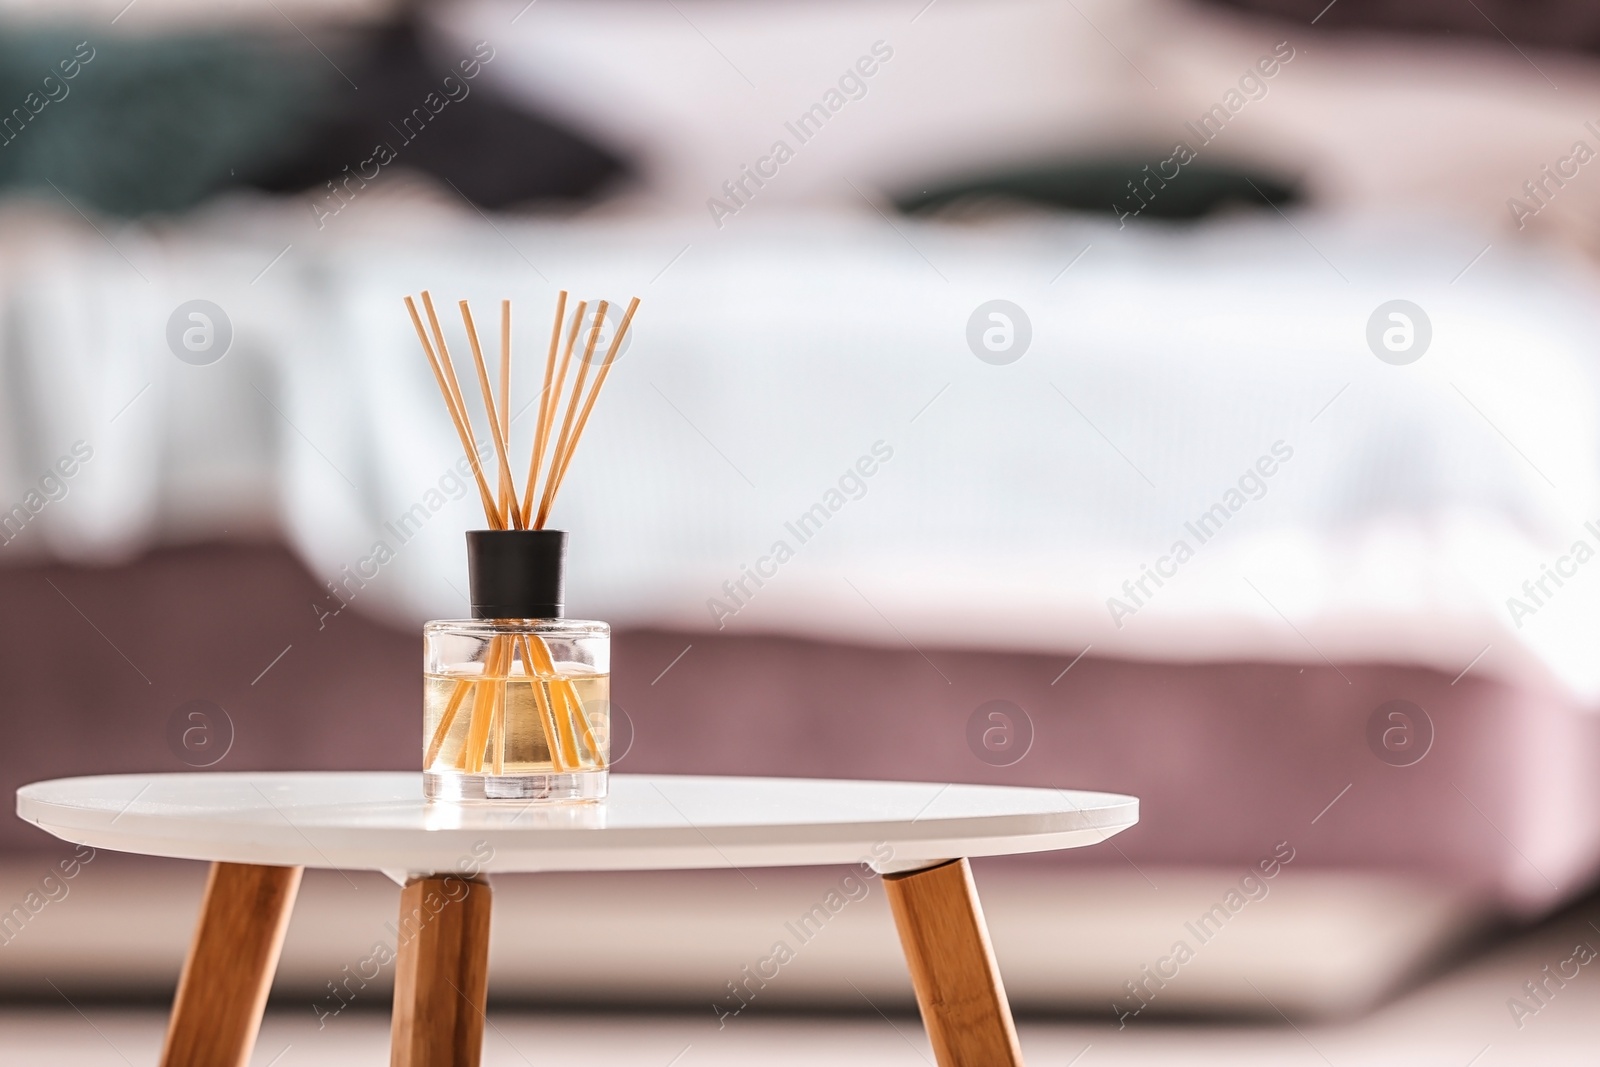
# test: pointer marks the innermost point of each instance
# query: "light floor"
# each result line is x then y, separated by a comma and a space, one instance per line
1456, 1020
120, 1037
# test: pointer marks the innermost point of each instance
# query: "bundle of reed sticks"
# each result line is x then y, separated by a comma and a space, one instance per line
565, 723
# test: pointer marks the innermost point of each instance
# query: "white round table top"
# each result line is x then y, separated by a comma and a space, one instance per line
380, 821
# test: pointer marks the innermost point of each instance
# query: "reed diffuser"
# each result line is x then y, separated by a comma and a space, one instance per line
516, 699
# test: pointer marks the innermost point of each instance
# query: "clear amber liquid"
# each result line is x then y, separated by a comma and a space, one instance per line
508, 724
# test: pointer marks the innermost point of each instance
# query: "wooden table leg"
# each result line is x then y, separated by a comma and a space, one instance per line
952, 966
442, 978
225, 981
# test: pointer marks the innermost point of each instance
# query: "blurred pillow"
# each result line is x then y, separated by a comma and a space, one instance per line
494, 153
157, 123
1124, 188
697, 90
149, 123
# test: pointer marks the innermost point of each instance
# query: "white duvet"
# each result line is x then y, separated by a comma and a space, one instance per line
1198, 457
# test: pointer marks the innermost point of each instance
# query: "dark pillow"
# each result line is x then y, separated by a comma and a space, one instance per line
495, 153
1128, 187
158, 124
142, 124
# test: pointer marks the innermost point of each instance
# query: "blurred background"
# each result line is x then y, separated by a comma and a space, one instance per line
1227, 374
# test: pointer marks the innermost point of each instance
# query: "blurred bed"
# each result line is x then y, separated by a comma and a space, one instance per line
960, 533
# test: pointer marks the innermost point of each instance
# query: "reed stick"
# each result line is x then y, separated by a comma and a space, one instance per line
447, 720
547, 718
463, 429
497, 727
508, 491
492, 511
599, 382
561, 381
566, 423
563, 698
562, 694
588, 730
546, 406
495, 429
482, 700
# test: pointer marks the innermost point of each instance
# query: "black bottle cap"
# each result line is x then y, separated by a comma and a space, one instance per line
517, 574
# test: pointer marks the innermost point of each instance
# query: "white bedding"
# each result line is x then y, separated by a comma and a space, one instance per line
771, 356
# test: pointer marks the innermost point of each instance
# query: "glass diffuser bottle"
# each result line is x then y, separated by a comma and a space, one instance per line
516, 701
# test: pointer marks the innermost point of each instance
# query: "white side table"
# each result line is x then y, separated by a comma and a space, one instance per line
261, 830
